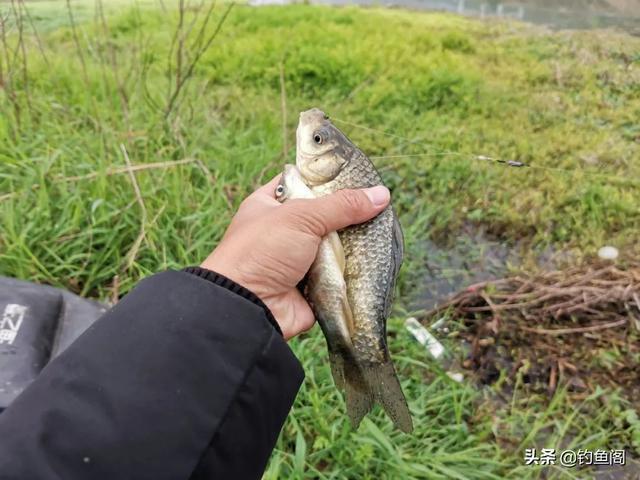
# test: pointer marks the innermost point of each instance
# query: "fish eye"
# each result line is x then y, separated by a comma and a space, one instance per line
317, 138
279, 191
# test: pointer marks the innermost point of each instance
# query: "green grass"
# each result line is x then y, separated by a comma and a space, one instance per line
447, 88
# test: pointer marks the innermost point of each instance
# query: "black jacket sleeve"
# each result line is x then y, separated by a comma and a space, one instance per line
188, 377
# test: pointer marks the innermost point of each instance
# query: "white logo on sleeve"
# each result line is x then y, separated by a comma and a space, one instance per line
10, 322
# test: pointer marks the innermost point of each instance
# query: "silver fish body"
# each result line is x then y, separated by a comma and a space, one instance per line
328, 162
325, 289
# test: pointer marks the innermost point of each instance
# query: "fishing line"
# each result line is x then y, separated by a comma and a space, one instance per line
486, 158
436, 154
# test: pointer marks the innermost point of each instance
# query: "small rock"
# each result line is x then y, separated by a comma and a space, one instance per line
608, 253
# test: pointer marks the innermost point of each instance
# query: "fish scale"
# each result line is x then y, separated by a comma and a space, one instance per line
367, 270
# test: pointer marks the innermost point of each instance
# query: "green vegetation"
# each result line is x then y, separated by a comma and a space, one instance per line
447, 89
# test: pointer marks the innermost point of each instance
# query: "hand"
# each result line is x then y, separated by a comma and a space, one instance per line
269, 247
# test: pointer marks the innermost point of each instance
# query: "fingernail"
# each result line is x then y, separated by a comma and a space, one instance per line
378, 195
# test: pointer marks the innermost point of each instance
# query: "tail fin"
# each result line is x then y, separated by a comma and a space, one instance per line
371, 383
358, 396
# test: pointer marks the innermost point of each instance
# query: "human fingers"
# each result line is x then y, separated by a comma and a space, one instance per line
341, 209
261, 199
298, 317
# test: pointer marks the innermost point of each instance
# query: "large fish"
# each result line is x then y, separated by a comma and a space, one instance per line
328, 161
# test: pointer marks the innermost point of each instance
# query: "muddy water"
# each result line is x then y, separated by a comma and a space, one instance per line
467, 259
474, 256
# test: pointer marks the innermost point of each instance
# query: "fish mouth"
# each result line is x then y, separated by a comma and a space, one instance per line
311, 156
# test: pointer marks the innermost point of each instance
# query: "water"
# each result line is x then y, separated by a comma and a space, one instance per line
470, 257
474, 256
560, 17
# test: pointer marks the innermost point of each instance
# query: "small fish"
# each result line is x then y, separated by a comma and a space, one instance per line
328, 161
325, 287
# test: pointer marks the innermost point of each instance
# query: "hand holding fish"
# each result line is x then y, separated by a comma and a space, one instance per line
328, 217
269, 246
350, 284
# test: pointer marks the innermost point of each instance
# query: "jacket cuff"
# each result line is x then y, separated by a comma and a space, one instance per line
236, 288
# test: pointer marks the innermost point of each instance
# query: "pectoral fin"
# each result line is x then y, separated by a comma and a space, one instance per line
336, 247
347, 313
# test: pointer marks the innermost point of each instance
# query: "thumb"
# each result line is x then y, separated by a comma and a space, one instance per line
344, 207
302, 318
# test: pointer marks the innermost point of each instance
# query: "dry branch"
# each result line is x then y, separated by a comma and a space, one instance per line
109, 172
185, 72
554, 324
564, 331
590, 295
133, 252
283, 107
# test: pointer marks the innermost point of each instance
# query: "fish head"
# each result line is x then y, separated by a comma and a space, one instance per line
291, 185
320, 148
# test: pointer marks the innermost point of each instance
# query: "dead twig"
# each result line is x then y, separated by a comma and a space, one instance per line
115, 289
133, 251
201, 47
112, 59
553, 379
590, 293
549, 319
129, 169
109, 172
565, 331
283, 108
17, 9
35, 32
85, 75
